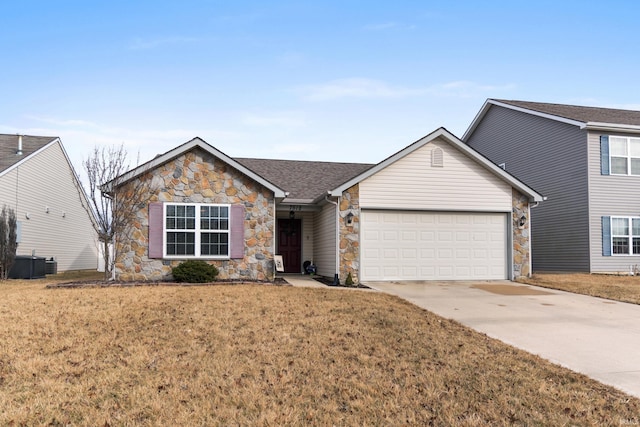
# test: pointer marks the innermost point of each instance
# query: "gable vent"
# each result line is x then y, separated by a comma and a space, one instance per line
437, 158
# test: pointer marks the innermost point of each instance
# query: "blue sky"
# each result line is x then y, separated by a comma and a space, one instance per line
351, 81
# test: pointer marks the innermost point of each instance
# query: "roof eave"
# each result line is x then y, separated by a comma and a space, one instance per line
476, 120
611, 127
195, 142
27, 157
288, 201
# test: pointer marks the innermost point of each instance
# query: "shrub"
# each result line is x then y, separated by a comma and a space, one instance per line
349, 280
193, 271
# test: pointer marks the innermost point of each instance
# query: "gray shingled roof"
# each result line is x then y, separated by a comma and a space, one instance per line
9, 148
304, 179
581, 114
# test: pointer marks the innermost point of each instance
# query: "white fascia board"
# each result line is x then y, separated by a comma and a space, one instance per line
18, 164
477, 119
196, 142
288, 201
611, 127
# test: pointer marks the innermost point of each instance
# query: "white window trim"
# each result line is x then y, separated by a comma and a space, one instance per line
197, 231
629, 236
628, 156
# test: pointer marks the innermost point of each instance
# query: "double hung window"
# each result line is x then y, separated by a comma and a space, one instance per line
625, 236
625, 155
196, 230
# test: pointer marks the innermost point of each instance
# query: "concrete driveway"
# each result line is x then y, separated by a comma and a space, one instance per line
593, 336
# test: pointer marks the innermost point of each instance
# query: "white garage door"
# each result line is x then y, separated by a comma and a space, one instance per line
400, 245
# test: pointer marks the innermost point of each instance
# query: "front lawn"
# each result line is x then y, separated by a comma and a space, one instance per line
270, 355
619, 288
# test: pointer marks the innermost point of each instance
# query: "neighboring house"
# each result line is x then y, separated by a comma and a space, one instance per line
39, 183
434, 210
586, 160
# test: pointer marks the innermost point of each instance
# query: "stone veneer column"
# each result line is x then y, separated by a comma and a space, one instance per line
521, 236
198, 177
350, 235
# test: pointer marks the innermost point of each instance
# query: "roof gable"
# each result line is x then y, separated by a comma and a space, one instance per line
456, 143
583, 117
182, 149
9, 156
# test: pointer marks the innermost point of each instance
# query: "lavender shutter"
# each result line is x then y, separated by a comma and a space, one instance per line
237, 231
155, 230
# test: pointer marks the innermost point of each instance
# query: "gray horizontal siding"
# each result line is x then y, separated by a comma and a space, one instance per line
551, 157
610, 195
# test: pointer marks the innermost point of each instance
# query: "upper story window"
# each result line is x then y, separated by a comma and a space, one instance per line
196, 230
624, 155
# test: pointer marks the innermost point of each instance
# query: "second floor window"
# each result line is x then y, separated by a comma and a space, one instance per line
625, 155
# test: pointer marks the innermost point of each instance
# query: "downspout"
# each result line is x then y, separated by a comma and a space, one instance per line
336, 277
275, 236
529, 207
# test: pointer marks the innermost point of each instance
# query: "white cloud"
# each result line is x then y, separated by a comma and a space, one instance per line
632, 106
279, 119
355, 88
389, 26
295, 148
377, 89
152, 43
466, 89
79, 137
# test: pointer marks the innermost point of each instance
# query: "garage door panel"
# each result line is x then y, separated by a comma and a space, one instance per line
444, 236
445, 254
463, 254
433, 245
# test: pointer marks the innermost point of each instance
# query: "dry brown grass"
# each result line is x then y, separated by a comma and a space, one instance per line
619, 288
270, 355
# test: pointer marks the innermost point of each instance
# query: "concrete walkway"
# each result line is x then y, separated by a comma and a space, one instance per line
301, 280
593, 336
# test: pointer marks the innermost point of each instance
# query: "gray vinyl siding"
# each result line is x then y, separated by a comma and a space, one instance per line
610, 195
325, 240
551, 157
65, 233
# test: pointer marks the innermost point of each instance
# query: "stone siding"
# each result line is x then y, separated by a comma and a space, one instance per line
198, 177
350, 235
521, 239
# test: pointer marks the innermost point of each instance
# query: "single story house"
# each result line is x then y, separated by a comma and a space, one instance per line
435, 210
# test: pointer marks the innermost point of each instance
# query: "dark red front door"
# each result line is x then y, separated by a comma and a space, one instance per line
290, 244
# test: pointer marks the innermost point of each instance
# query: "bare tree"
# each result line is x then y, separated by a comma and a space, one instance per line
113, 209
8, 240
